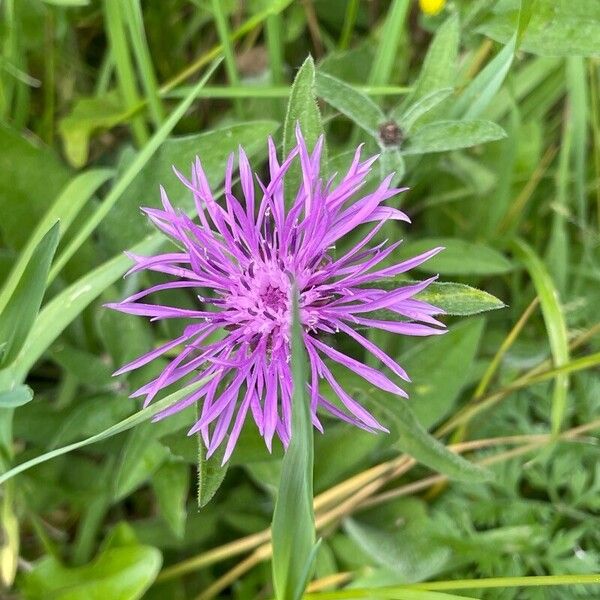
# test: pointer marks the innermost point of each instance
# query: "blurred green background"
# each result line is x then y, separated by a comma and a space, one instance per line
488, 110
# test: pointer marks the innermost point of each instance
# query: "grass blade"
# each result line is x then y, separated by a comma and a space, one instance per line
120, 427
389, 41
121, 185
17, 318
139, 45
115, 30
63, 308
64, 209
555, 326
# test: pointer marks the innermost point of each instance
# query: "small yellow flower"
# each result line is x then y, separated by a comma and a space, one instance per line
431, 7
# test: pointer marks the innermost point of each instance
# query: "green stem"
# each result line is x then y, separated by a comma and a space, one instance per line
277, 91
460, 584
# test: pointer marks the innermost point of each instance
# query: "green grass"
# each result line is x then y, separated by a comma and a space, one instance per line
487, 485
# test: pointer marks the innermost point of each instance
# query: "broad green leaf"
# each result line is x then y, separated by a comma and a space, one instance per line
293, 528
459, 257
460, 299
439, 367
211, 472
88, 368
18, 396
408, 551
32, 176
302, 110
556, 27
555, 326
124, 425
88, 116
171, 484
212, 147
119, 572
482, 90
414, 439
124, 339
64, 209
358, 107
20, 311
442, 136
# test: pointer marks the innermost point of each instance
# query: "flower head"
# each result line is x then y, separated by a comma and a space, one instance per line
244, 257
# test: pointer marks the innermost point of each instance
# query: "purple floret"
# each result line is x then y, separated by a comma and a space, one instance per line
246, 256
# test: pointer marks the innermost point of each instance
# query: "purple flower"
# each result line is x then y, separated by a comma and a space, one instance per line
244, 257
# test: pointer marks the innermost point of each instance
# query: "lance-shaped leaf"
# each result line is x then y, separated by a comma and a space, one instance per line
303, 111
357, 106
293, 528
21, 310
442, 136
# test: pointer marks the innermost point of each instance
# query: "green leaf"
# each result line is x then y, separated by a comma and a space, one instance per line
442, 136
124, 425
17, 317
418, 443
119, 572
421, 107
88, 116
293, 528
555, 28
358, 107
453, 298
392, 32
439, 67
555, 326
391, 161
64, 307
213, 147
439, 367
67, 3
32, 176
302, 110
171, 484
64, 209
88, 368
122, 183
479, 94
407, 552
211, 473
18, 396
459, 257
142, 455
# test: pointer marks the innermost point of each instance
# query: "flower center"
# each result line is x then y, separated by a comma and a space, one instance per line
273, 297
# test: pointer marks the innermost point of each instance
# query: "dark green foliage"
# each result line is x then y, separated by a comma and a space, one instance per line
489, 112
